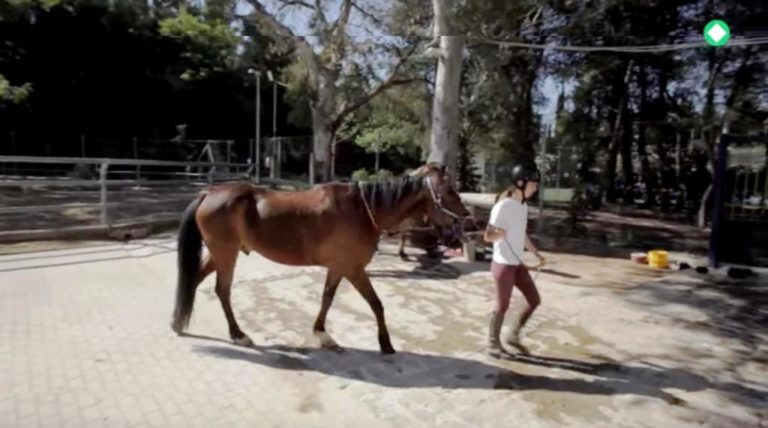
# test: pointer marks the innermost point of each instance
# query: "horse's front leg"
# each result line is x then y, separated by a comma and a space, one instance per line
401, 253
362, 283
332, 281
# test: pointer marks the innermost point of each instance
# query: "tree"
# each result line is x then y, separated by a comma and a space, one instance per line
501, 92
125, 69
326, 72
394, 121
445, 110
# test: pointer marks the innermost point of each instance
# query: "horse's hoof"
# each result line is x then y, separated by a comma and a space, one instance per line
500, 353
388, 351
243, 341
177, 328
327, 342
520, 348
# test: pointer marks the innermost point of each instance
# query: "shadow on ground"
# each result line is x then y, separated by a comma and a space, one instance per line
421, 370
735, 309
88, 255
425, 267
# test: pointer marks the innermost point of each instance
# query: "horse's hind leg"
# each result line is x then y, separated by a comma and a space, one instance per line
401, 253
363, 284
206, 268
225, 269
332, 281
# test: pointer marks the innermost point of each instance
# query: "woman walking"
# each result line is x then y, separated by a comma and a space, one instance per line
507, 231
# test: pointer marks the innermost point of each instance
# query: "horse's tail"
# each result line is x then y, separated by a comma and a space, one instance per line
190, 245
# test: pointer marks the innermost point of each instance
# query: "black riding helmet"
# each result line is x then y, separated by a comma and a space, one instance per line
523, 174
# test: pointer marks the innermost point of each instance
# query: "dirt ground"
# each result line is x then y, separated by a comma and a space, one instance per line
614, 344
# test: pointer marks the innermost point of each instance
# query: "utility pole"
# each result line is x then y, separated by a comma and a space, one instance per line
276, 149
544, 170
378, 149
257, 137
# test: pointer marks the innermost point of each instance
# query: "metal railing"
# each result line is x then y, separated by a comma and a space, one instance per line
209, 174
740, 201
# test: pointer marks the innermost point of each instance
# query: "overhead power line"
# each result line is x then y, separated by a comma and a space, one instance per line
572, 48
628, 49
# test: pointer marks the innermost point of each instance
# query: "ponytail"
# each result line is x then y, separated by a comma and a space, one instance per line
506, 192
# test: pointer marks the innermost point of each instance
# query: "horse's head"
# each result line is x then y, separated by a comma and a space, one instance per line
444, 208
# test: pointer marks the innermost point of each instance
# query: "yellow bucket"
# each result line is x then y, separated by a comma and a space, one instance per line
658, 259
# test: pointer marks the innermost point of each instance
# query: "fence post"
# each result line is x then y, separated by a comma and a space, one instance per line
272, 157
136, 156
103, 181
559, 155
279, 163
542, 181
251, 146
311, 168
721, 168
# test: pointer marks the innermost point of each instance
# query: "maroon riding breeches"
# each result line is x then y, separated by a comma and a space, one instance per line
508, 276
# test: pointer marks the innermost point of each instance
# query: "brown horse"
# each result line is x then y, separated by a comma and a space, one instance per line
418, 228
332, 225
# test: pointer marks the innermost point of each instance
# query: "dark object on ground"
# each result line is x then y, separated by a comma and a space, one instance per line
425, 240
702, 270
739, 273
684, 266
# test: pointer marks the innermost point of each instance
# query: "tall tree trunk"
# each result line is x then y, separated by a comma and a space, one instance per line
443, 145
626, 156
645, 167
613, 150
322, 126
321, 142
740, 84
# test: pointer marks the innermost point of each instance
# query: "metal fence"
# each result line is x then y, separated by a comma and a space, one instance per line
33, 185
740, 202
288, 158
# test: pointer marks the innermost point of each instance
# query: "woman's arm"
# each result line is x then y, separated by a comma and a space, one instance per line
493, 234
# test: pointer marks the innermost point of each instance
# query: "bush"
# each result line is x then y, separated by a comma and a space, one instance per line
361, 175
364, 175
83, 172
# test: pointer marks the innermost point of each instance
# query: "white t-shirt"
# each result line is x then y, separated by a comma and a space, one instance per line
512, 216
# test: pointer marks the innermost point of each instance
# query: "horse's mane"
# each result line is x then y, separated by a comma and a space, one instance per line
390, 192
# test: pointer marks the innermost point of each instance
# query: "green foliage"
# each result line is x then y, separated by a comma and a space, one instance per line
210, 46
393, 122
301, 91
361, 175
116, 69
469, 179
13, 94
365, 175
11, 10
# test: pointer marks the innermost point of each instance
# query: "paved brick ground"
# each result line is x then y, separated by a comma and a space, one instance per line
85, 341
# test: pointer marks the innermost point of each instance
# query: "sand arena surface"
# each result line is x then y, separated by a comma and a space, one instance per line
85, 341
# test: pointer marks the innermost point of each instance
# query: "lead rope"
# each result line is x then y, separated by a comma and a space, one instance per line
367, 207
537, 267
438, 201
